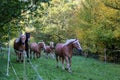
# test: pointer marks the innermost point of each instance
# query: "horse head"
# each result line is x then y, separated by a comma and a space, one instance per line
23, 38
42, 45
52, 45
77, 45
27, 36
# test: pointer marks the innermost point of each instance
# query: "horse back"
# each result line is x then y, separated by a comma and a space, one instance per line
34, 46
59, 49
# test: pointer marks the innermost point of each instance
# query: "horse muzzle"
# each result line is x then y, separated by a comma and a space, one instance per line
23, 43
80, 50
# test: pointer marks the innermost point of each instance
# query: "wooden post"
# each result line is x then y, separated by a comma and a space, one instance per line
24, 65
8, 63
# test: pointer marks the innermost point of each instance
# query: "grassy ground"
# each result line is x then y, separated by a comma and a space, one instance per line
82, 69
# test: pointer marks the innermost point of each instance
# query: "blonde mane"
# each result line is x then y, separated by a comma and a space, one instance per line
69, 41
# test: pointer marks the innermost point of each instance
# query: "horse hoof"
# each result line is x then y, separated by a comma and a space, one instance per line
69, 71
21, 60
28, 61
66, 68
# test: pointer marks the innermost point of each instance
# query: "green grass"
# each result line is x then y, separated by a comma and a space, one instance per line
82, 69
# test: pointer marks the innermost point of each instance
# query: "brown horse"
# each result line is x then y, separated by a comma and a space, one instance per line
64, 51
19, 47
36, 49
49, 50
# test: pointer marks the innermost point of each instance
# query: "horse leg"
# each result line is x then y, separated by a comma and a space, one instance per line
17, 56
70, 61
46, 55
27, 53
27, 49
63, 63
22, 56
67, 64
57, 61
39, 54
30, 53
52, 55
35, 54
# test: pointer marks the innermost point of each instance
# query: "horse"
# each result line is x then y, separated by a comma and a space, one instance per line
26, 43
64, 51
49, 50
36, 49
19, 47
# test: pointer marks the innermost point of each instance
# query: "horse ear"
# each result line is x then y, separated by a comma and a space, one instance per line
76, 39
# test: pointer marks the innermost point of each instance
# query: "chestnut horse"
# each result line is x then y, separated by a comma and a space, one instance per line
64, 51
19, 47
49, 50
36, 49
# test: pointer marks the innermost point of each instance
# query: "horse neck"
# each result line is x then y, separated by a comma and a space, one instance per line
70, 46
27, 37
26, 41
41, 46
19, 41
51, 47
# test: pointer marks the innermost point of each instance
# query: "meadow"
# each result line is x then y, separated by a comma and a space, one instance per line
82, 69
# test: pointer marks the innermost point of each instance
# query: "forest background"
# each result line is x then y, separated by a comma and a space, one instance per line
96, 23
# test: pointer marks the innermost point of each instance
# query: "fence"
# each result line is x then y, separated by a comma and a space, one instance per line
108, 55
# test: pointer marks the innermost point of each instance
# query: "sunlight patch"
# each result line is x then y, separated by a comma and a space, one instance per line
29, 29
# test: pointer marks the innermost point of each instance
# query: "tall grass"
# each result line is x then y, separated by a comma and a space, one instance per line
82, 69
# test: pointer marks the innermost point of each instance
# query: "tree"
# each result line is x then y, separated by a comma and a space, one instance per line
96, 24
14, 13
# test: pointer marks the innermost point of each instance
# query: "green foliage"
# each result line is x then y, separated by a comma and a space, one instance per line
16, 15
51, 22
115, 4
98, 25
